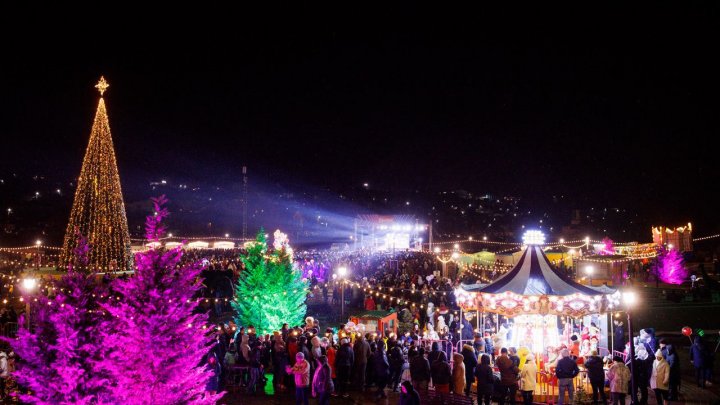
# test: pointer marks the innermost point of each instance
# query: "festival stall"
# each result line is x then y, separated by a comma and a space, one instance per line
377, 321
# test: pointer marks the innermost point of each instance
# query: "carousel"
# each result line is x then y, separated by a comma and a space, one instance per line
545, 305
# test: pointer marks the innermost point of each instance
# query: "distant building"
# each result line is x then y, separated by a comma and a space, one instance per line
679, 238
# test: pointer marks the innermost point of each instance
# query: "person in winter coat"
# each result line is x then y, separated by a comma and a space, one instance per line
420, 370
619, 376
381, 368
322, 385
508, 376
489, 346
397, 360
459, 373
660, 378
408, 395
528, 376
673, 360
470, 360
212, 364
344, 360
698, 355
362, 354
4, 372
565, 371
596, 375
245, 350
279, 359
434, 353
301, 371
441, 373
485, 380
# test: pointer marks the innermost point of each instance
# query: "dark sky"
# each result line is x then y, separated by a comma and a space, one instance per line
616, 106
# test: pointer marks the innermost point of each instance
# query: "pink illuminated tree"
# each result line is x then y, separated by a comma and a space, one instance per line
156, 344
670, 267
58, 358
608, 247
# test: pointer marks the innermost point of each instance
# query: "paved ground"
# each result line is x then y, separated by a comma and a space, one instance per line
689, 394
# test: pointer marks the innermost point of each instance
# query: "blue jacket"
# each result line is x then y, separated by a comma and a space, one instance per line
566, 368
698, 353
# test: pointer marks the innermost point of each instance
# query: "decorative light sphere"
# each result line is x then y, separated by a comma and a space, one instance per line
38, 242
562, 240
436, 250
533, 238
342, 271
589, 270
456, 246
455, 255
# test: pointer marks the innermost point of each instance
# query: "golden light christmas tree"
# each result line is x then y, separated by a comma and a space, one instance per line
98, 211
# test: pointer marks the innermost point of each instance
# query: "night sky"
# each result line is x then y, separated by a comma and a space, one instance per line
614, 106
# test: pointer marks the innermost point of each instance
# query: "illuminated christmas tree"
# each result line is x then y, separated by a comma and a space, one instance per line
58, 358
269, 291
98, 210
669, 266
156, 343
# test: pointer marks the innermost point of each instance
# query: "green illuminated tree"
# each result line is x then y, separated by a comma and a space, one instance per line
269, 291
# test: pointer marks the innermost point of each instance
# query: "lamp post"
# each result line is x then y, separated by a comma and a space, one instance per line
37, 245
629, 298
342, 271
29, 285
589, 270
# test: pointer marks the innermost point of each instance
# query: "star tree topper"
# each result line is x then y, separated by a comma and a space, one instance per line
102, 85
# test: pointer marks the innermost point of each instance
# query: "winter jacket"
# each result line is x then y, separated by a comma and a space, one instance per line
344, 356
419, 369
594, 366
396, 358
434, 353
459, 373
411, 398
3, 365
528, 377
468, 355
660, 377
301, 369
673, 360
566, 368
322, 381
440, 371
619, 377
380, 364
331, 354
698, 353
361, 351
508, 371
485, 379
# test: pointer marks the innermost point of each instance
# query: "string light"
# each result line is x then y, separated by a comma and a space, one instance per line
98, 211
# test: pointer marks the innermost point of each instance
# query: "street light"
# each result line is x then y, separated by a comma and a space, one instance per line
629, 299
37, 244
28, 285
562, 241
341, 272
589, 271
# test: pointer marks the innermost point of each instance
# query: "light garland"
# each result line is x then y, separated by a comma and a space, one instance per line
98, 211
706, 237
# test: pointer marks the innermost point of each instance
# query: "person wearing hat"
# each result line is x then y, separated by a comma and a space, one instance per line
660, 378
596, 375
301, 371
565, 371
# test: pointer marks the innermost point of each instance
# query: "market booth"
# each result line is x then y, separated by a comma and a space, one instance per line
377, 321
543, 304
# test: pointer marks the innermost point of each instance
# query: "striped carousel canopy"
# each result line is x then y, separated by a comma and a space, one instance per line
533, 275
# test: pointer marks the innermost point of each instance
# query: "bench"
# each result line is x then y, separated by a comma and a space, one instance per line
432, 397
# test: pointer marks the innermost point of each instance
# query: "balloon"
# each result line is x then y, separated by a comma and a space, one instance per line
687, 331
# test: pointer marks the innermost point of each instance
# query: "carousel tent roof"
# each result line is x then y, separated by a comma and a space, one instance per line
534, 275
